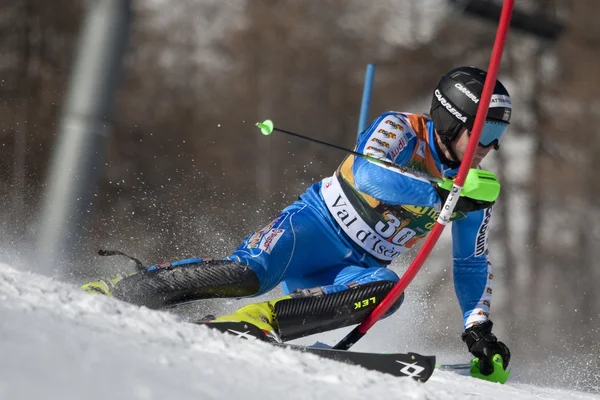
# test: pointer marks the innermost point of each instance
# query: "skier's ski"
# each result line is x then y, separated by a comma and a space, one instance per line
453, 367
411, 365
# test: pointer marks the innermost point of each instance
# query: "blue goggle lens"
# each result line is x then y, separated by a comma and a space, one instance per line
491, 134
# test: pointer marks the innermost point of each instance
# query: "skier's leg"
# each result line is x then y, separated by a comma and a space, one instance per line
285, 247
170, 285
180, 281
300, 242
356, 291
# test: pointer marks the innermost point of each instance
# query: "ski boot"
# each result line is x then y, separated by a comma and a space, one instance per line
261, 315
103, 286
106, 287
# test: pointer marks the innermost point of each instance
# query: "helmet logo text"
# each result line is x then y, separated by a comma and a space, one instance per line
500, 100
467, 93
449, 107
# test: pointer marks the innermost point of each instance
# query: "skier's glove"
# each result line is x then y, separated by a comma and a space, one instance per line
464, 204
480, 190
483, 344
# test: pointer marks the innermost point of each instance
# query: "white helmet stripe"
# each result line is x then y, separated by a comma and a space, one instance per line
500, 100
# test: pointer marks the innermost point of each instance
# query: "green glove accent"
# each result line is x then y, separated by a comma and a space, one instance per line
266, 127
498, 376
480, 185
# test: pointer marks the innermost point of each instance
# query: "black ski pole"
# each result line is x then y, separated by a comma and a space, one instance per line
266, 127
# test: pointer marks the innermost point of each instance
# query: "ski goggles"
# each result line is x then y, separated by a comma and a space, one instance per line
491, 134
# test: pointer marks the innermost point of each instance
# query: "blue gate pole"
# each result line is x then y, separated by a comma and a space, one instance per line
366, 98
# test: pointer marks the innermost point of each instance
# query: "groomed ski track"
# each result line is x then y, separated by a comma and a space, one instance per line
57, 342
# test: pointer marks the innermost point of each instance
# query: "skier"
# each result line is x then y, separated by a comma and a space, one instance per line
330, 249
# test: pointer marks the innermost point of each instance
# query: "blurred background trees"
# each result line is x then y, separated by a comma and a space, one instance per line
189, 175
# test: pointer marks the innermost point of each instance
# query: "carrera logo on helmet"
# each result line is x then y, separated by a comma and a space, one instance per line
449, 107
467, 92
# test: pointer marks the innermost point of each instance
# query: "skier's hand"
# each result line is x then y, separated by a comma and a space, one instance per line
480, 190
483, 344
464, 204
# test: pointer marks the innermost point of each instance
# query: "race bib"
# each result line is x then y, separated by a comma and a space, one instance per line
372, 240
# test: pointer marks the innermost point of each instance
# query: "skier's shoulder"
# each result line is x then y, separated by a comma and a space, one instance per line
407, 124
408, 119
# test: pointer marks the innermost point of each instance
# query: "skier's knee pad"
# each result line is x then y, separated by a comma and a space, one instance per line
172, 283
311, 311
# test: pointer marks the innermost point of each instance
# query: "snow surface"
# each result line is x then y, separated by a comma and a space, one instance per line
57, 342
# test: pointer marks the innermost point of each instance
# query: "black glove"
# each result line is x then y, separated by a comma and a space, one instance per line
483, 344
464, 204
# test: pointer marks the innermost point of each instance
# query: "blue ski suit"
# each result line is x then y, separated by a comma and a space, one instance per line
346, 229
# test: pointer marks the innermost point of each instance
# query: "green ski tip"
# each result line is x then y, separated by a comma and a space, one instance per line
498, 376
266, 127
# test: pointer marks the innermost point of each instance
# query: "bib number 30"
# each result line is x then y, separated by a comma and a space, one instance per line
388, 229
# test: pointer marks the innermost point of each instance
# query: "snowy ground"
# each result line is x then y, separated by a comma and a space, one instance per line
57, 342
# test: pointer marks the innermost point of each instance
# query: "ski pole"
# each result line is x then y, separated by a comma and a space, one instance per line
444, 217
266, 127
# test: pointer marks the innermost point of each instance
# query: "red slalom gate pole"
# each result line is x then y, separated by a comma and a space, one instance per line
454, 195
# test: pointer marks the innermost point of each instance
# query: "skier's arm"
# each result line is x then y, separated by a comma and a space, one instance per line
390, 137
473, 285
472, 269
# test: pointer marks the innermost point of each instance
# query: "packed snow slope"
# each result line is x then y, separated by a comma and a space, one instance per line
57, 342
